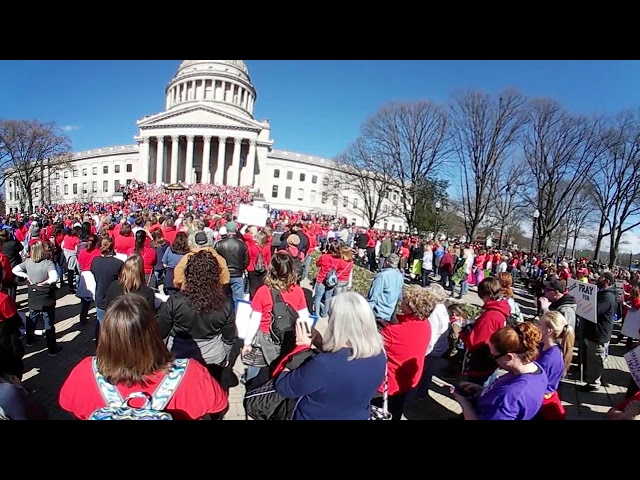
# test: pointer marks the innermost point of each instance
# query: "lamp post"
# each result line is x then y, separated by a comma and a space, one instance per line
435, 228
536, 216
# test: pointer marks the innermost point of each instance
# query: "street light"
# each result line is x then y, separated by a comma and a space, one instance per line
536, 216
435, 229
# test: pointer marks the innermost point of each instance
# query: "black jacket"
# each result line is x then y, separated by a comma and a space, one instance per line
601, 331
178, 318
303, 246
235, 252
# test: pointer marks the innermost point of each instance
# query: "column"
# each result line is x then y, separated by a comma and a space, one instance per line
220, 164
188, 170
160, 161
174, 158
143, 166
247, 172
234, 171
206, 159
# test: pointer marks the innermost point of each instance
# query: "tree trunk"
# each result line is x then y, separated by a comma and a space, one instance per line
596, 252
615, 247
573, 248
566, 243
501, 235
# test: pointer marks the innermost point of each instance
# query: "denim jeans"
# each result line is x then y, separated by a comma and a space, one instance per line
426, 281
99, 317
464, 288
306, 266
322, 299
237, 288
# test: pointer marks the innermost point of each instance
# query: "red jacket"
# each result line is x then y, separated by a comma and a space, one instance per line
492, 318
406, 344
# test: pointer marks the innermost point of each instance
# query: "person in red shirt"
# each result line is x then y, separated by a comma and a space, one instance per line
132, 358
281, 278
11, 348
148, 254
406, 344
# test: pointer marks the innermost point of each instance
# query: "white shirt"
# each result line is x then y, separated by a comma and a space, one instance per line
439, 320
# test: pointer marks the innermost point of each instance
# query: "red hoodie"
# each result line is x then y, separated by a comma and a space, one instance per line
478, 361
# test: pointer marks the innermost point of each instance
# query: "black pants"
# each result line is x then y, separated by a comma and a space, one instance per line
395, 406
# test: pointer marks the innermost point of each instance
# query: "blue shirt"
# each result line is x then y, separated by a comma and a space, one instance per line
331, 387
385, 292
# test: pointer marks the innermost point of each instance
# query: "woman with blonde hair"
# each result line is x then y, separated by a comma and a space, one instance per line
555, 358
41, 275
339, 382
506, 281
130, 359
131, 280
516, 395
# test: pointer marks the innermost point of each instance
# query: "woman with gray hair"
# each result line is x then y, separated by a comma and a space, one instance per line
339, 382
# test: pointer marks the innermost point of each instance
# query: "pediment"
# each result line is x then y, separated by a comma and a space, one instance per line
199, 115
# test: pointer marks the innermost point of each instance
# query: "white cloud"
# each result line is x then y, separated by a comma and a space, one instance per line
70, 128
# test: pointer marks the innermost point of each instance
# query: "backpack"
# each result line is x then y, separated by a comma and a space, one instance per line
119, 409
331, 280
516, 316
260, 266
283, 318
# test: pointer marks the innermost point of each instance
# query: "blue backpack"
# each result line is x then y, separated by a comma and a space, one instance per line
119, 409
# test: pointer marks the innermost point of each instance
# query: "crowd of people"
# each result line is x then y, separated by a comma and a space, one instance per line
178, 289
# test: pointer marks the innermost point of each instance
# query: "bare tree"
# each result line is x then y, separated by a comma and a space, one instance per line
560, 150
358, 171
579, 215
616, 185
30, 151
409, 143
485, 129
506, 207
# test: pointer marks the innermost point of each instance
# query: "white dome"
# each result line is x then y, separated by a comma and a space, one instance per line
225, 83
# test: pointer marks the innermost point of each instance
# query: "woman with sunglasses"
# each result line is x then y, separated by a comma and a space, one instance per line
518, 394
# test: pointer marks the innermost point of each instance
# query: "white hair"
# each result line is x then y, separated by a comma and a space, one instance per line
352, 324
438, 291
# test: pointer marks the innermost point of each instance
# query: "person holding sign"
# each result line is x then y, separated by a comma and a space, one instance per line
598, 335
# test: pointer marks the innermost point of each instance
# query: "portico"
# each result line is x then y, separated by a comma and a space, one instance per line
198, 158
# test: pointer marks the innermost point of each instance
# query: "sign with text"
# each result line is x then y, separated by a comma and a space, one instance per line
633, 362
631, 325
586, 298
620, 289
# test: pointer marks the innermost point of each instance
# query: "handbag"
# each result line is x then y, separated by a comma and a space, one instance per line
382, 413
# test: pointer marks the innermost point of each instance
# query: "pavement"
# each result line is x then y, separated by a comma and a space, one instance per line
45, 375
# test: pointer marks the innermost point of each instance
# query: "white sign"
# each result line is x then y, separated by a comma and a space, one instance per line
620, 289
631, 325
252, 215
633, 362
586, 298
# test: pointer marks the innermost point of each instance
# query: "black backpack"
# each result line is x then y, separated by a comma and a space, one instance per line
283, 319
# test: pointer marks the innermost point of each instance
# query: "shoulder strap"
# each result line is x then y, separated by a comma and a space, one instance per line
163, 394
109, 392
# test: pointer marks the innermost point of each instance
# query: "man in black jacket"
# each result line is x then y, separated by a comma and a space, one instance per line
235, 252
598, 335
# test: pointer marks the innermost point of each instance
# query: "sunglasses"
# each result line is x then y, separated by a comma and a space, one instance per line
500, 355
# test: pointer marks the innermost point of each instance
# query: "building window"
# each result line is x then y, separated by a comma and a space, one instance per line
11, 196
313, 196
385, 226
57, 190
394, 198
105, 186
302, 177
335, 200
355, 203
66, 189
289, 175
94, 187
314, 179
393, 227
35, 192
94, 171
105, 169
129, 167
75, 173
57, 175
66, 174
75, 188
287, 193
116, 168
11, 184
300, 194
274, 191
116, 185
84, 172
276, 173
129, 180
325, 181
324, 197
345, 202
84, 188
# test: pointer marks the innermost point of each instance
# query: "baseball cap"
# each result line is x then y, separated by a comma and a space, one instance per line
231, 227
556, 284
609, 276
201, 239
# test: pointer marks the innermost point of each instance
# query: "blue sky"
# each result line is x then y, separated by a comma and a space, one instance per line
315, 107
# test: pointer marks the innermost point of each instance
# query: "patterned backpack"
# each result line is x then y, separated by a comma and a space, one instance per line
119, 409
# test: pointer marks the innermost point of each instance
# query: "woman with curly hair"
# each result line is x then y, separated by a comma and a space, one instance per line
199, 321
406, 344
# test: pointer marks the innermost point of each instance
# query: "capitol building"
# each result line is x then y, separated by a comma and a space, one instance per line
207, 134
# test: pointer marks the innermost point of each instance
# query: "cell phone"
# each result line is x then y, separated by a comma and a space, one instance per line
305, 327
